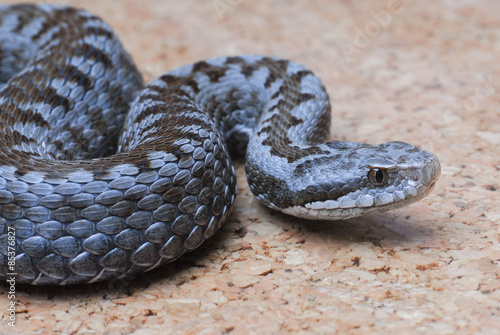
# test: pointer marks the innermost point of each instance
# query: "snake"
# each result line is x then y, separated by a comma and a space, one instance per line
104, 177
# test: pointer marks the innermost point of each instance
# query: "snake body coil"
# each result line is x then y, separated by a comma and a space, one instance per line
79, 206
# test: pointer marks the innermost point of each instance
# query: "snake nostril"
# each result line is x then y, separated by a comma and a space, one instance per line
416, 177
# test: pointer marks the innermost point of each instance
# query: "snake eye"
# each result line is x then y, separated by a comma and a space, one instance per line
378, 177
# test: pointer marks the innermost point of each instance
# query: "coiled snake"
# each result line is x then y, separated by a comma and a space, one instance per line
82, 202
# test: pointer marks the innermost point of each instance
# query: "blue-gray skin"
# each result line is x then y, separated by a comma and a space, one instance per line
72, 212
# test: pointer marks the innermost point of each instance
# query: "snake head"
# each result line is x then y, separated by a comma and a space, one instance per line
361, 179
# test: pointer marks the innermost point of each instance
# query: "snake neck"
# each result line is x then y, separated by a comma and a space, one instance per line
291, 131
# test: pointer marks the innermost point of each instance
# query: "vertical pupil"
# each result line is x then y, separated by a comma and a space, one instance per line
379, 176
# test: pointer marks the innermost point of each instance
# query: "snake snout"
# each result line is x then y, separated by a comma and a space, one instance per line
431, 171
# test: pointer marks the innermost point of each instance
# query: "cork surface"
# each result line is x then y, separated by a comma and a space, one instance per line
427, 73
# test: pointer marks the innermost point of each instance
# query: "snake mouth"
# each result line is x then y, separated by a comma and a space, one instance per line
346, 207
333, 214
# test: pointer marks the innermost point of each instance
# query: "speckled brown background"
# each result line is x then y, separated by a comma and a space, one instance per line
425, 72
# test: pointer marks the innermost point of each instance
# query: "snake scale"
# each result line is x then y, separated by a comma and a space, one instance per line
104, 177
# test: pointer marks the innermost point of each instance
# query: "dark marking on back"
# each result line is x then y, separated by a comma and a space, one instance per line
172, 80
213, 72
91, 52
